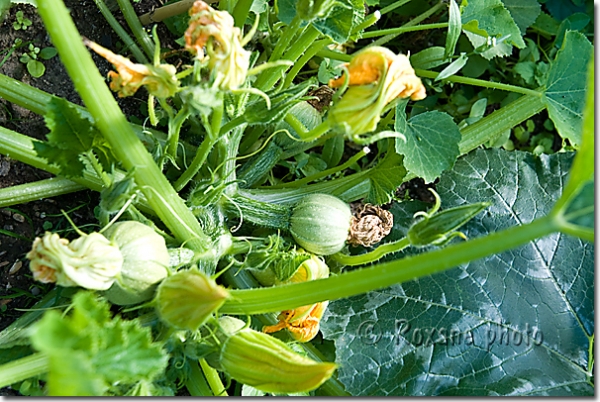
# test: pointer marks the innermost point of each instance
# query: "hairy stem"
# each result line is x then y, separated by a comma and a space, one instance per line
114, 126
264, 300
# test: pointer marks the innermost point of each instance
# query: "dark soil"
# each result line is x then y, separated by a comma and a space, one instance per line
20, 224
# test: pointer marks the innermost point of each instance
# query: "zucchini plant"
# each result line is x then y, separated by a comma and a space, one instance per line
259, 234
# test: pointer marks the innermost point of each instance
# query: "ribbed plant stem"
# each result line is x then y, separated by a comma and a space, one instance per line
23, 368
265, 300
114, 126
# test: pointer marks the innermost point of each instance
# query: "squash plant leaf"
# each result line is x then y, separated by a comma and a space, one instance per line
385, 178
93, 351
72, 133
343, 17
490, 18
517, 323
524, 12
566, 85
337, 24
431, 144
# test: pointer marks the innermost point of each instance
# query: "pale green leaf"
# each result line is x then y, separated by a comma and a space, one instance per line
453, 67
431, 142
91, 351
454, 29
524, 12
343, 17
500, 50
566, 85
385, 179
516, 323
428, 58
491, 18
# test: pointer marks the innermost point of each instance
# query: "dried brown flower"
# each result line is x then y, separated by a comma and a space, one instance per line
370, 224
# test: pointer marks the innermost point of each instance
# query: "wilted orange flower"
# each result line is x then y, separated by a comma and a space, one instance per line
303, 322
377, 76
160, 80
215, 31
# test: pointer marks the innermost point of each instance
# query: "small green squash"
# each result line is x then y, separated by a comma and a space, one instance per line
320, 223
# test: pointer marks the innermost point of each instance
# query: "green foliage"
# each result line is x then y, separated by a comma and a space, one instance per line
72, 134
524, 12
490, 18
431, 145
489, 294
385, 178
90, 352
566, 84
21, 23
516, 323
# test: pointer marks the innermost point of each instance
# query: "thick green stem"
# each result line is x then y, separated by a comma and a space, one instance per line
37, 190
213, 379
268, 78
123, 35
196, 164
492, 126
480, 83
286, 38
136, 27
310, 53
23, 368
196, 383
241, 11
114, 126
264, 300
403, 29
371, 256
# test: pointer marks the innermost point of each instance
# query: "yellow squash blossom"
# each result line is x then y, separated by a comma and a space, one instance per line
160, 80
215, 31
303, 323
376, 77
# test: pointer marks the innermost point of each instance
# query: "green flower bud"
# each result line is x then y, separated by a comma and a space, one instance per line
188, 298
91, 261
268, 364
439, 228
145, 262
320, 223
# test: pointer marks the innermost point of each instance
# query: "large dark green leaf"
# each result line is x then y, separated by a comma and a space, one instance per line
565, 89
516, 323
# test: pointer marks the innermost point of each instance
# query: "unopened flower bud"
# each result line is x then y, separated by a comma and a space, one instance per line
376, 76
188, 298
159, 80
215, 31
440, 227
91, 261
268, 364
